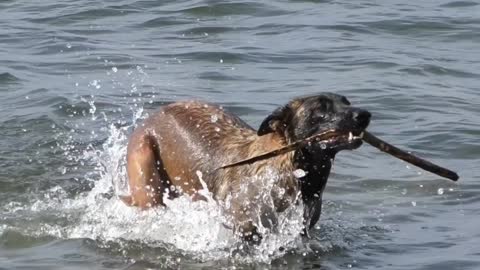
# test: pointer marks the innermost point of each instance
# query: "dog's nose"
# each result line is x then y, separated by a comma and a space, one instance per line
362, 117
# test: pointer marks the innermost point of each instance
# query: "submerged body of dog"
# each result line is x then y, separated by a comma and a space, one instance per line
185, 143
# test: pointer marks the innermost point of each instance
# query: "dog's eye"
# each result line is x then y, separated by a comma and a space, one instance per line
317, 116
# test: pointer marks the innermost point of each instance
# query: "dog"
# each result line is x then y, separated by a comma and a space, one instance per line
179, 149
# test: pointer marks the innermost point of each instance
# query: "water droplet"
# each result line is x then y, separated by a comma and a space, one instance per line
114, 69
414, 203
404, 191
323, 146
221, 60
214, 118
217, 129
299, 173
69, 46
440, 191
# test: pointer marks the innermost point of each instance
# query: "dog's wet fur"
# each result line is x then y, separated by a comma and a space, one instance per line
183, 144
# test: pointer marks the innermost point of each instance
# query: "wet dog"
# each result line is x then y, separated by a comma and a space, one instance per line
179, 149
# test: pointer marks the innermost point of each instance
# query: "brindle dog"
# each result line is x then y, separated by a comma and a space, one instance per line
181, 147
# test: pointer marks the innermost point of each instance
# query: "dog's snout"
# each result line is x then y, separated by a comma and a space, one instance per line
362, 117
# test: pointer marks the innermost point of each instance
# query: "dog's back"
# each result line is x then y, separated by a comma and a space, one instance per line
188, 138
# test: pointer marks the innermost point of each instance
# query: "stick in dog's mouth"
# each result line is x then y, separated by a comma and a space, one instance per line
329, 134
414, 160
365, 136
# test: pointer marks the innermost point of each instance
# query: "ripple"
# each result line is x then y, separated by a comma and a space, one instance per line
456, 4
374, 64
8, 78
163, 21
451, 264
12, 239
208, 30
361, 29
217, 76
81, 16
228, 57
229, 9
410, 27
426, 70
80, 109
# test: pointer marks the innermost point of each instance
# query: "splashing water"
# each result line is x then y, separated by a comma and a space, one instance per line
197, 229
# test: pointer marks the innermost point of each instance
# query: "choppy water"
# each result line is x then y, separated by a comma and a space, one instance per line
76, 75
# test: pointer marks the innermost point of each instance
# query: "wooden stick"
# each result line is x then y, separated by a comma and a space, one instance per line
367, 137
318, 137
398, 153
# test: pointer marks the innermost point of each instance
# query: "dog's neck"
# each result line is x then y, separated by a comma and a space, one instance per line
317, 168
269, 142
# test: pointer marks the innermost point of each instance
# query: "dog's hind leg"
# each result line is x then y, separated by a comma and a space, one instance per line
143, 173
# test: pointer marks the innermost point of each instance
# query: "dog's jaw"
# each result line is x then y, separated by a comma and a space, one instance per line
348, 141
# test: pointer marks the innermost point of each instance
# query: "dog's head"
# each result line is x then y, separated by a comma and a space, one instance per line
307, 116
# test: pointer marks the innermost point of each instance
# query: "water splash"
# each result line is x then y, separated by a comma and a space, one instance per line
198, 229
195, 227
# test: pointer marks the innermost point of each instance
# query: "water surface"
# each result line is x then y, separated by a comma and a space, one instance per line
75, 77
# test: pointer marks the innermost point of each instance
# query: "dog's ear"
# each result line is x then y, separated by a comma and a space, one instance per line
276, 121
345, 101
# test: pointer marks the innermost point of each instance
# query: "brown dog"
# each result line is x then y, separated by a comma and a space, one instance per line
181, 147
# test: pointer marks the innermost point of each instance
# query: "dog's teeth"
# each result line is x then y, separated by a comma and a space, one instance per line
350, 136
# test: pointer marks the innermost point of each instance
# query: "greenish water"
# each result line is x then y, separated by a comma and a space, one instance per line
76, 75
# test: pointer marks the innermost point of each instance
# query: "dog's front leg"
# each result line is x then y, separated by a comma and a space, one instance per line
311, 214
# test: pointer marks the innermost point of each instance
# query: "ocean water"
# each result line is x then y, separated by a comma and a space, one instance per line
77, 76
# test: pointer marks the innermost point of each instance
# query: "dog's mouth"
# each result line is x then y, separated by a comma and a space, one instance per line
346, 140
